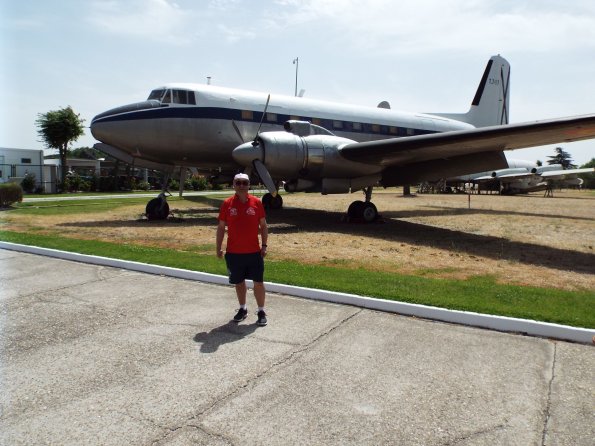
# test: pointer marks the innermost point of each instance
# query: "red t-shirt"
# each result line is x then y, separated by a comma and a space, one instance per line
242, 221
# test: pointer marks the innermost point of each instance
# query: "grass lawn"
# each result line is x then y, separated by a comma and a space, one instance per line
479, 294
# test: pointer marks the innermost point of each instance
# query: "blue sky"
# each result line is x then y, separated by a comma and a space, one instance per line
422, 55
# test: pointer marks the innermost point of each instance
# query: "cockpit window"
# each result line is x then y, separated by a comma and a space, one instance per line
184, 97
191, 98
179, 96
173, 96
156, 94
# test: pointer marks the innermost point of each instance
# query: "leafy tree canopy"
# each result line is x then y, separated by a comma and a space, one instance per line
58, 129
588, 178
562, 157
87, 153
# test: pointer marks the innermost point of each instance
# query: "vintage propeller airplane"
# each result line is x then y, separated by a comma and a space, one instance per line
324, 147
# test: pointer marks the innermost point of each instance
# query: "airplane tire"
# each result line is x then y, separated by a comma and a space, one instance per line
355, 209
156, 211
270, 202
362, 211
369, 212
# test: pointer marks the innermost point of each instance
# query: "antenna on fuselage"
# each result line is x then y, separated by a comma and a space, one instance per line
208, 80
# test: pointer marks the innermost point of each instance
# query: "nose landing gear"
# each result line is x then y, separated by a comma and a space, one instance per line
272, 202
157, 208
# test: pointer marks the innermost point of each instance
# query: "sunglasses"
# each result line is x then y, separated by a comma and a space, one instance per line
242, 183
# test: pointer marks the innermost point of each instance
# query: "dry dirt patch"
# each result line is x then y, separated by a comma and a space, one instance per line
529, 240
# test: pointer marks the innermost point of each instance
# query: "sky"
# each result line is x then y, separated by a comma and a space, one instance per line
420, 55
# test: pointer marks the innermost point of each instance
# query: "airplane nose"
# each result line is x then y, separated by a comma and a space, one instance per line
245, 153
116, 127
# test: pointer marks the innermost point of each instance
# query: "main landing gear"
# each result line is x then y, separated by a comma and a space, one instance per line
272, 202
364, 211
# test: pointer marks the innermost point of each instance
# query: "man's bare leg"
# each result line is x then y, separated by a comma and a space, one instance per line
259, 294
241, 292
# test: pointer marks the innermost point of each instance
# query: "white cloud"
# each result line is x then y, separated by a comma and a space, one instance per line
156, 20
391, 27
236, 34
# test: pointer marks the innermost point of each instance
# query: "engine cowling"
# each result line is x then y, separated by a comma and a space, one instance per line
288, 156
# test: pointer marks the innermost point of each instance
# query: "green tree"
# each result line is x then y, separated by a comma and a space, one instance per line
58, 129
562, 157
88, 153
588, 178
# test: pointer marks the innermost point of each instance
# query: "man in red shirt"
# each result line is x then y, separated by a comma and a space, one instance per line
244, 216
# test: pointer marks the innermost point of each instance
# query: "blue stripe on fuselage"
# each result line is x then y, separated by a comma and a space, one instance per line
228, 114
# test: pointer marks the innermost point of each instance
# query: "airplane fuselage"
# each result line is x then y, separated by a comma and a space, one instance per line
200, 125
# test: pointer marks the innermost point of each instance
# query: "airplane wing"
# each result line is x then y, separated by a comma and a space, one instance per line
564, 174
418, 149
514, 176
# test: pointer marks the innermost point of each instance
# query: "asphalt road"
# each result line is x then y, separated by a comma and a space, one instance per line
94, 355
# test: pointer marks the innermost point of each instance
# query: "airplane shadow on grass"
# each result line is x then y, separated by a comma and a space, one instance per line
393, 231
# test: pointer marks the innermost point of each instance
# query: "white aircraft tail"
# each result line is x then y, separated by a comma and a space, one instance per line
490, 104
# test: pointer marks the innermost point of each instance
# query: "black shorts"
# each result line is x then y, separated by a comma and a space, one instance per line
244, 266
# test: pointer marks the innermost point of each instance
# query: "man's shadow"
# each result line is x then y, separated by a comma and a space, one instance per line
229, 332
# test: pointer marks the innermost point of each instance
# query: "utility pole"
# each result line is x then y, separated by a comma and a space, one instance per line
296, 62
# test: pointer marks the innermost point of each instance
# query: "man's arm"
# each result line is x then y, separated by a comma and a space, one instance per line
264, 236
220, 236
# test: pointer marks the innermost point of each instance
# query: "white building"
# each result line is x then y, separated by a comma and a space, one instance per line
16, 163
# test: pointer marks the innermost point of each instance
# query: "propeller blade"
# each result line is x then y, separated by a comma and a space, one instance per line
265, 176
248, 171
236, 128
264, 113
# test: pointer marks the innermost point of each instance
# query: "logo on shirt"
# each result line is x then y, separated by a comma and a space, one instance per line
251, 211
233, 212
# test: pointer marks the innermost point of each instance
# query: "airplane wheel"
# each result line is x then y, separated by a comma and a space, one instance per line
355, 209
362, 211
155, 210
369, 212
270, 202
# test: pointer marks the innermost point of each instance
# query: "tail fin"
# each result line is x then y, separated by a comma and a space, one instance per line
490, 104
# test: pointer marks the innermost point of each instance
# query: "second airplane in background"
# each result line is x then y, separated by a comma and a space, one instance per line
520, 177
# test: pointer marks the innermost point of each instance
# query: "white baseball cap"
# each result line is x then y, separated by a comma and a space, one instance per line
241, 176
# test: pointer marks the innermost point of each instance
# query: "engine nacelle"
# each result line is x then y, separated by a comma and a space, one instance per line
307, 163
345, 185
502, 172
332, 185
310, 157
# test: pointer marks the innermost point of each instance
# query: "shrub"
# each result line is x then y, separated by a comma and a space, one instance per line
199, 183
28, 183
143, 185
10, 193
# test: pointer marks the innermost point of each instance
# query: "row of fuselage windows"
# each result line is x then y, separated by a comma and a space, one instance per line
335, 125
175, 96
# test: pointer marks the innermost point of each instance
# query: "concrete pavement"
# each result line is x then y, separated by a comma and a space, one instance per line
96, 355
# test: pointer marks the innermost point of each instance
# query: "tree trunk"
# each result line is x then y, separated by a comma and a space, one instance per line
64, 167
